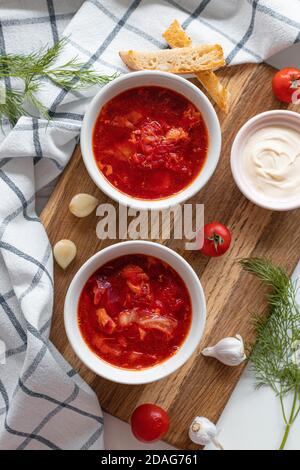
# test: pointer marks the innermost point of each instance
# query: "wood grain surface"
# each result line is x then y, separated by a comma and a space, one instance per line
202, 386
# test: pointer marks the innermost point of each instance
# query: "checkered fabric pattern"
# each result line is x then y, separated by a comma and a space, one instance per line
43, 402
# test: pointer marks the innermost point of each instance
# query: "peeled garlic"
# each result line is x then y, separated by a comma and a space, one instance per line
203, 432
83, 204
229, 351
64, 252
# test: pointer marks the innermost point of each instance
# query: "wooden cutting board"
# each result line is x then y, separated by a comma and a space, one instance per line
202, 386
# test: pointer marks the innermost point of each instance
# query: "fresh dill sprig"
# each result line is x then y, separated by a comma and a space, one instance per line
36, 68
12, 108
275, 357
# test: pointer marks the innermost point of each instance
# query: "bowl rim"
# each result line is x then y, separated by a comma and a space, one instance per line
239, 140
195, 186
131, 376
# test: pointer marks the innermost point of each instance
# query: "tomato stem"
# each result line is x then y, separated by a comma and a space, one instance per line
295, 82
217, 239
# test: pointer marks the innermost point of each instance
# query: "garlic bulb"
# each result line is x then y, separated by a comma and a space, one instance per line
229, 351
203, 432
83, 204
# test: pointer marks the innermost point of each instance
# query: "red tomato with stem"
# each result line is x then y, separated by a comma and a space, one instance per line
149, 422
217, 239
285, 82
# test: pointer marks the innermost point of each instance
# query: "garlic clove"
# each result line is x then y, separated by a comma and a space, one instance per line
230, 351
83, 204
64, 252
203, 432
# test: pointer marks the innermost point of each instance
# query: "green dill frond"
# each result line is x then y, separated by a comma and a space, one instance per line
13, 108
37, 104
19, 65
277, 330
272, 276
75, 77
46, 56
33, 69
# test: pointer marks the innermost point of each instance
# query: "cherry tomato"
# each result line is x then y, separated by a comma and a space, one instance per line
217, 239
149, 422
285, 82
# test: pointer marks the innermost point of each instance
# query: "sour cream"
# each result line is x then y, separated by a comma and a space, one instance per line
271, 161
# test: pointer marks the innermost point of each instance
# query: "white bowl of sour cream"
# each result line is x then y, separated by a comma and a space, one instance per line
265, 160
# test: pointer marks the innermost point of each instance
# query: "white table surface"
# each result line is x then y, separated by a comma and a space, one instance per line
252, 418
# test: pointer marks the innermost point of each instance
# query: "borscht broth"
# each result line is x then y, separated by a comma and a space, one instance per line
135, 312
150, 142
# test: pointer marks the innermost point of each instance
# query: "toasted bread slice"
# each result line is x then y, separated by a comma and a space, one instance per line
219, 93
177, 37
179, 60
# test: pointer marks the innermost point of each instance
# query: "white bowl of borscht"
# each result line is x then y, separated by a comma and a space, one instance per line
150, 140
135, 312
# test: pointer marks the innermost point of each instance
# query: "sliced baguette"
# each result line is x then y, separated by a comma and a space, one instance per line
219, 93
175, 36
179, 60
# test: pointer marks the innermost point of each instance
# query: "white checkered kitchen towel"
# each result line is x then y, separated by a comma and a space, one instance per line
43, 402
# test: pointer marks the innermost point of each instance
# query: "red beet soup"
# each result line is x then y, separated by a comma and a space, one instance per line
135, 312
150, 142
